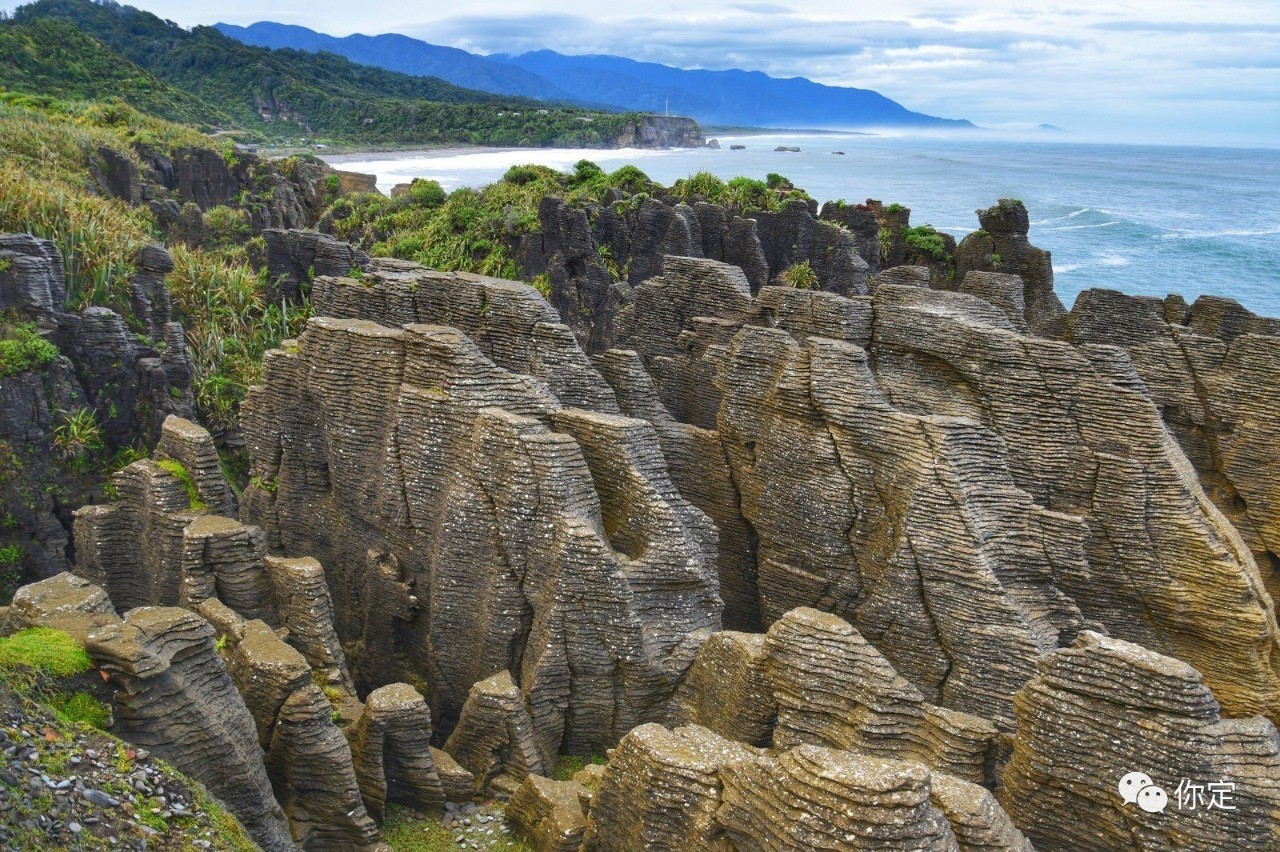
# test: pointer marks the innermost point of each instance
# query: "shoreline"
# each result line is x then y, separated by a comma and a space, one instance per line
355, 156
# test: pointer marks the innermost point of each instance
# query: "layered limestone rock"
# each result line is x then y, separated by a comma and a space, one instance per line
908, 526
727, 690
494, 738
689, 789
393, 758
1104, 708
549, 814
308, 758
793, 236
1002, 246
295, 258
494, 529
126, 383
150, 547
832, 688
1214, 374
192, 447
585, 252
812, 679
1080, 434
849, 801
661, 790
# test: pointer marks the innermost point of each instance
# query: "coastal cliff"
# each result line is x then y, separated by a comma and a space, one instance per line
661, 131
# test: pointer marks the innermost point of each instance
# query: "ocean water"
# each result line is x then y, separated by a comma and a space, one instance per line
1140, 219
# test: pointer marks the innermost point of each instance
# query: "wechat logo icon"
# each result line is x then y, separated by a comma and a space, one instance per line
1138, 788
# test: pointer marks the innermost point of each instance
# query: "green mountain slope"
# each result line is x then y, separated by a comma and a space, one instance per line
287, 93
53, 58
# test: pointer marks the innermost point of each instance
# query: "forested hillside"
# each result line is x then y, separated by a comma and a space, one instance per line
205, 77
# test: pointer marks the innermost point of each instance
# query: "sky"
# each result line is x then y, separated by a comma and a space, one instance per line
1172, 71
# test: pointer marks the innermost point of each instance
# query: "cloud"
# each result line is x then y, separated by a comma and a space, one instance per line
1190, 27
762, 8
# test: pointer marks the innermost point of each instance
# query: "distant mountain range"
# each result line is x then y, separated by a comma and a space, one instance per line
76, 49
734, 97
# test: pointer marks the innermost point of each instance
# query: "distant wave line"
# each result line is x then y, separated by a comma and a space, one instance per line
1205, 235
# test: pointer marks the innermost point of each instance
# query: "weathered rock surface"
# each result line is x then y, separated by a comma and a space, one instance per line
549, 813
295, 258
1004, 235
832, 688
1216, 383
128, 384
661, 790
727, 689
851, 802
393, 758
308, 758
1104, 708
497, 495
494, 737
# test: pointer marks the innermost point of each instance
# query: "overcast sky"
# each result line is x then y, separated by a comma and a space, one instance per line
1144, 70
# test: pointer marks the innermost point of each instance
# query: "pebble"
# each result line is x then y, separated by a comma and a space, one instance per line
75, 827
100, 798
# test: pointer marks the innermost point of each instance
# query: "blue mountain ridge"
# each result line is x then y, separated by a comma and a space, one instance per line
732, 97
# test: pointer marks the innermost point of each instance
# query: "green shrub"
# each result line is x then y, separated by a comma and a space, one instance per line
225, 227
80, 707
801, 276
22, 348
926, 240
45, 650
895, 207
773, 180
426, 193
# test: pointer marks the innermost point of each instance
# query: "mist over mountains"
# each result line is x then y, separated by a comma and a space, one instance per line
732, 97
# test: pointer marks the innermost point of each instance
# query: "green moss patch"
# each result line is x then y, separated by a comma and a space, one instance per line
45, 650
80, 708
176, 468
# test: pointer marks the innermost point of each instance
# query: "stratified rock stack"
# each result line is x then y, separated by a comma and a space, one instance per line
832, 688
689, 789
661, 791
308, 758
728, 691
1104, 708
793, 235
295, 258
851, 802
549, 813
118, 385
192, 447
494, 737
173, 696
1213, 371
1002, 246
531, 537
393, 756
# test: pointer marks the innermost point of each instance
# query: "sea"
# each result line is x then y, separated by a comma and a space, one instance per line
1142, 219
